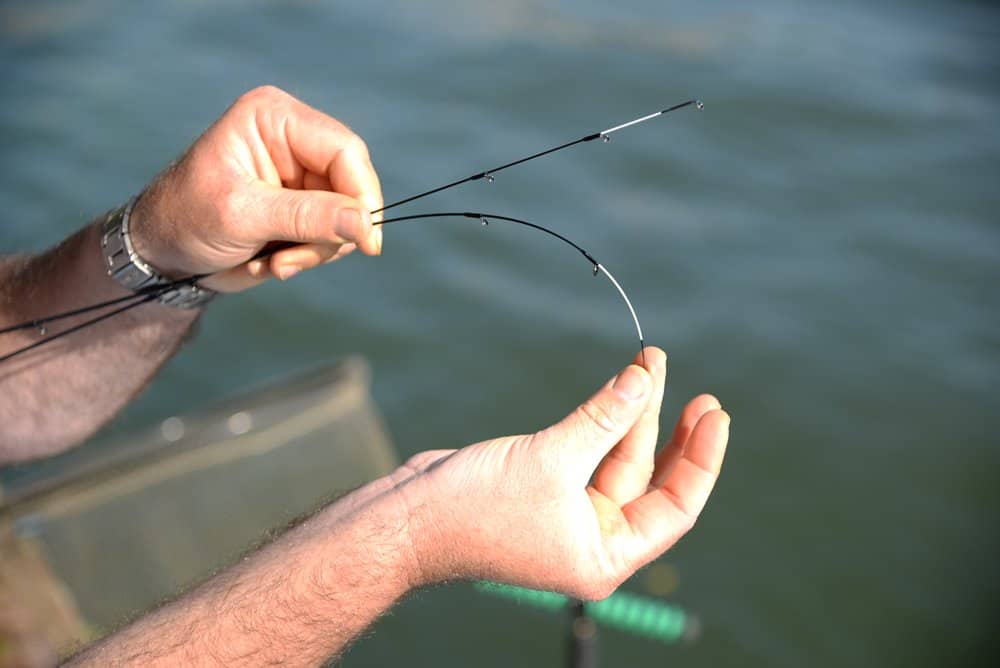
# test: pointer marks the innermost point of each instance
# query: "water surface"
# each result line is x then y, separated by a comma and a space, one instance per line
818, 247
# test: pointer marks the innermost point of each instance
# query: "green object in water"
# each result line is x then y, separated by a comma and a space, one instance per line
623, 611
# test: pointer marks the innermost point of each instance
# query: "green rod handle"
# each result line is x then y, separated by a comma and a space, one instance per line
623, 611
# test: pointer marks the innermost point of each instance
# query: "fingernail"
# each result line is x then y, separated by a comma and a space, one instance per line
630, 383
257, 268
653, 356
286, 272
348, 218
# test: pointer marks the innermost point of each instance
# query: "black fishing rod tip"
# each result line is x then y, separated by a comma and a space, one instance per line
687, 103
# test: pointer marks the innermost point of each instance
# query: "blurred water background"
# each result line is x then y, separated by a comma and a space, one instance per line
819, 247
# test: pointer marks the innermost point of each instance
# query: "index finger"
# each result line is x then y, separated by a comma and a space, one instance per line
303, 141
352, 173
324, 145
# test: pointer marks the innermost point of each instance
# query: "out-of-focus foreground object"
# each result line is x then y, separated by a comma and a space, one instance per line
84, 550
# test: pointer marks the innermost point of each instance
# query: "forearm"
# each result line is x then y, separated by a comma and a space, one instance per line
297, 602
60, 393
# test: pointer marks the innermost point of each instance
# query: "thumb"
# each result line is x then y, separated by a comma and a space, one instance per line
602, 421
319, 217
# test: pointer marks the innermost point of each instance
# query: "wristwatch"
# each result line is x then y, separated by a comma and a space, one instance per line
134, 273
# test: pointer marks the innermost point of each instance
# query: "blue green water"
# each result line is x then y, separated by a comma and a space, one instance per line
819, 247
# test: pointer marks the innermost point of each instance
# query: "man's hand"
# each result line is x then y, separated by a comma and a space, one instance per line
270, 169
577, 507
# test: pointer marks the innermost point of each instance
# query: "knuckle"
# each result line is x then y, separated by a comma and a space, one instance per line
266, 92
299, 212
641, 467
690, 518
688, 514
598, 414
325, 252
228, 208
355, 144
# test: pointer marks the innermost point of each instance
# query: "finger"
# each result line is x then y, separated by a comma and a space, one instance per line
313, 216
589, 432
673, 450
343, 252
315, 254
370, 197
300, 139
239, 278
314, 181
297, 137
625, 472
257, 271
352, 173
289, 262
661, 516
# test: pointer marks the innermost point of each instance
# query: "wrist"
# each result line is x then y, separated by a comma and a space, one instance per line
380, 526
431, 555
132, 269
93, 264
152, 237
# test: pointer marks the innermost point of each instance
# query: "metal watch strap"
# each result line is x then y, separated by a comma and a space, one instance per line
131, 271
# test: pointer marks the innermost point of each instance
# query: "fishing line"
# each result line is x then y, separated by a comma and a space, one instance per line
148, 294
